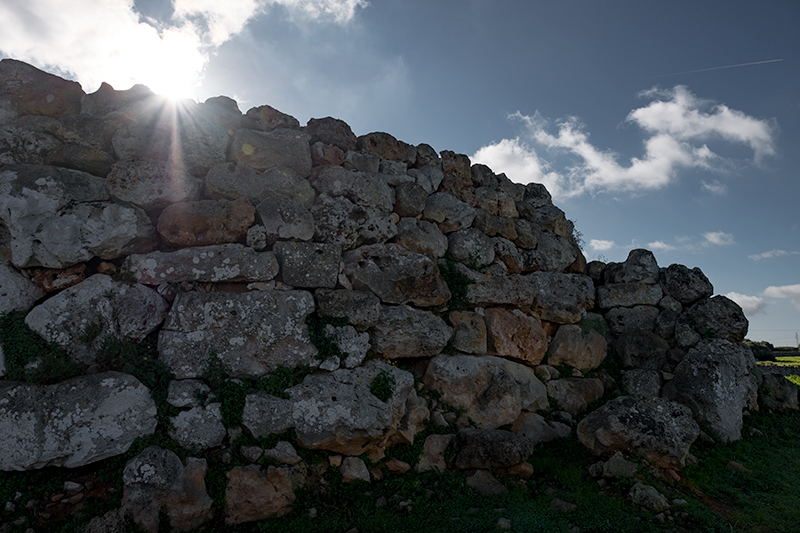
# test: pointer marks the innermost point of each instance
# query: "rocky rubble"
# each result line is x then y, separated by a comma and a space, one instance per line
344, 290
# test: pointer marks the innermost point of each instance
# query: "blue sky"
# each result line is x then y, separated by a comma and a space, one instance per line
673, 126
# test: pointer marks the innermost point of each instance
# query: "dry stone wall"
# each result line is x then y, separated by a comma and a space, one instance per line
405, 289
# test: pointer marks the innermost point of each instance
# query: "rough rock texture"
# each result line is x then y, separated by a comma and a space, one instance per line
628, 295
37, 92
17, 293
656, 429
490, 448
253, 494
338, 412
58, 217
778, 393
73, 423
222, 262
396, 275
561, 298
227, 181
81, 318
493, 391
572, 347
251, 333
648, 497
718, 317
685, 285
308, 265
536, 428
361, 308
152, 184
469, 332
402, 331
714, 381
433, 453
337, 220
285, 219
279, 148
515, 335
422, 237
205, 222
574, 394
471, 247
198, 428
156, 482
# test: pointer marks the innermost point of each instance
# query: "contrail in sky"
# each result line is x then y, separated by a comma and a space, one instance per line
720, 68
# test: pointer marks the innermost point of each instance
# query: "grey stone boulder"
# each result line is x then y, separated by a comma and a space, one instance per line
719, 318
267, 118
353, 345
448, 212
515, 335
506, 252
537, 429
152, 184
642, 383
58, 217
496, 202
354, 469
495, 226
72, 423
410, 199
778, 393
331, 131
490, 448
205, 222
253, 493
628, 295
396, 275
714, 380
574, 395
642, 349
639, 267
648, 497
82, 317
470, 246
422, 237
337, 220
339, 413
428, 176
493, 391
37, 92
656, 429
553, 253
279, 148
638, 318
513, 290
186, 392
17, 293
403, 331
216, 263
156, 482
228, 181
433, 453
573, 347
361, 162
199, 428
251, 333
686, 285
285, 219
361, 308
469, 332
561, 298
361, 188
308, 264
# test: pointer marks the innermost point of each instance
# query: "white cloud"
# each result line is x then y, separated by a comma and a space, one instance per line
718, 238
791, 292
678, 125
715, 187
660, 246
599, 245
94, 41
772, 254
751, 305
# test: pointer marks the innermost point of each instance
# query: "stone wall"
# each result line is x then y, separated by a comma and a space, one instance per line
407, 291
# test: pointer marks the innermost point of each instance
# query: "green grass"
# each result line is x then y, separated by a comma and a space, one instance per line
790, 360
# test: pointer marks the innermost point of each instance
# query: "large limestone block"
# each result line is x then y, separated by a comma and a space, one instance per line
553, 253
337, 220
205, 222
309, 265
685, 285
396, 275
156, 483
254, 494
637, 318
493, 391
573, 395
513, 290
222, 262
331, 131
38, 93
227, 181
714, 380
496, 202
422, 237
515, 335
536, 428
252, 333
402, 331
199, 428
718, 317
58, 217
448, 212
778, 393
361, 308
642, 349
338, 412
628, 295
656, 429
267, 118
72, 423
386, 146
469, 332
279, 148
490, 448
572, 347
82, 317
360, 188
153, 184
285, 219
470, 246
428, 176
17, 293
639, 267
561, 298
410, 199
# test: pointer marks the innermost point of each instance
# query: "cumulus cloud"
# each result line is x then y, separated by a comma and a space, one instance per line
714, 187
718, 238
790, 292
678, 126
599, 245
660, 246
772, 254
108, 41
751, 305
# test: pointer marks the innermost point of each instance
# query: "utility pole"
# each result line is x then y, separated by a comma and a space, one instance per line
797, 339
